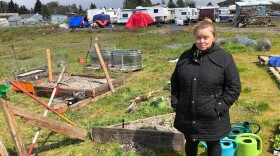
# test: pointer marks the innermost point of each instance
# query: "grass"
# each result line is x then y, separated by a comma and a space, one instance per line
259, 99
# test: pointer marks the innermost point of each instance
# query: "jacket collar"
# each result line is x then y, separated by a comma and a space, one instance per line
213, 54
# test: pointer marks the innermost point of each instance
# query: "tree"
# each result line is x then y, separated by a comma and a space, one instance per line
180, 4
37, 7
171, 4
80, 8
163, 2
23, 10
16, 8
129, 4
45, 12
209, 4
190, 3
11, 6
53, 7
92, 6
147, 3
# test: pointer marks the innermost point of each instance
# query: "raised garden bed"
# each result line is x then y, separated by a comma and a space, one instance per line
155, 132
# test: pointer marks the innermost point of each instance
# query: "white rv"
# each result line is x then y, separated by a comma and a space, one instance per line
124, 14
186, 15
223, 14
113, 15
160, 14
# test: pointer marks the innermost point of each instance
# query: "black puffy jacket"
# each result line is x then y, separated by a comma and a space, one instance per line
203, 87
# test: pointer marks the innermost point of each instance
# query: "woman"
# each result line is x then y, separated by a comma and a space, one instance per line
204, 84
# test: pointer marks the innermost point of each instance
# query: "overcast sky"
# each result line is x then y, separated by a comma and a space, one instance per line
99, 3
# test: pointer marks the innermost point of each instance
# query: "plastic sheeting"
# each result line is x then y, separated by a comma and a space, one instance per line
274, 61
222, 41
264, 45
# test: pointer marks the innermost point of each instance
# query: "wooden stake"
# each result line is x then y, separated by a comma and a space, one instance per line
49, 65
104, 67
3, 151
13, 127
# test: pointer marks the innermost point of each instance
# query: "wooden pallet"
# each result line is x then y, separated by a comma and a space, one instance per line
276, 72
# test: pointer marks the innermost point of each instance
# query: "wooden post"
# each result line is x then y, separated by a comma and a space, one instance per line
49, 65
104, 67
13, 127
3, 151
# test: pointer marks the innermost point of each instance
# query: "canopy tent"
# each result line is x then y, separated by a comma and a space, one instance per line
139, 19
78, 21
101, 19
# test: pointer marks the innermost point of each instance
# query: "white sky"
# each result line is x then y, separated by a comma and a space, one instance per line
99, 3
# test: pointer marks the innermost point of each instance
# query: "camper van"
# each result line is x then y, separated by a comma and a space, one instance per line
160, 14
210, 12
223, 14
185, 15
123, 15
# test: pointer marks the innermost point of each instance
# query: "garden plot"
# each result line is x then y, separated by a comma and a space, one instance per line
92, 86
156, 132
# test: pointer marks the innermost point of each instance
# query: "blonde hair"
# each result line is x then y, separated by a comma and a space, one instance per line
206, 23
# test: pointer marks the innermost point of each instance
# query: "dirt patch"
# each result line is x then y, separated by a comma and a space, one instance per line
162, 123
76, 82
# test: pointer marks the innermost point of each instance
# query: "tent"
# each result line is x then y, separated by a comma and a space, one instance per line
78, 21
139, 19
101, 19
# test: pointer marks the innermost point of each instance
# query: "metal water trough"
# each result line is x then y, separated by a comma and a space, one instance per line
127, 59
106, 55
120, 59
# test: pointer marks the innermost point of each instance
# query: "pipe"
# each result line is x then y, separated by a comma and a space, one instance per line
41, 102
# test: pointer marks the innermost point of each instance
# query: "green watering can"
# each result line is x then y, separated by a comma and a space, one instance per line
249, 144
243, 127
229, 146
3, 89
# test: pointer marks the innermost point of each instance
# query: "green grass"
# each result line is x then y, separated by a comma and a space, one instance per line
259, 100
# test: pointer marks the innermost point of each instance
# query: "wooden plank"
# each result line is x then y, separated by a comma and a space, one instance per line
50, 124
150, 138
13, 127
87, 101
275, 73
46, 91
101, 61
263, 59
3, 151
278, 69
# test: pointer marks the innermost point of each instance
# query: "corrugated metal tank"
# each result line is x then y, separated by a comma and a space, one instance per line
127, 59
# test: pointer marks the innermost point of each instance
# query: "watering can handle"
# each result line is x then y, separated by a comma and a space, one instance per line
259, 127
241, 127
203, 144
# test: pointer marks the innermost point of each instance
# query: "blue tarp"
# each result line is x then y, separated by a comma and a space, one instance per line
274, 61
102, 17
78, 21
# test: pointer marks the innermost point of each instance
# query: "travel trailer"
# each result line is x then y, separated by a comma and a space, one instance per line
185, 15
224, 14
123, 15
160, 14
210, 12
113, 13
